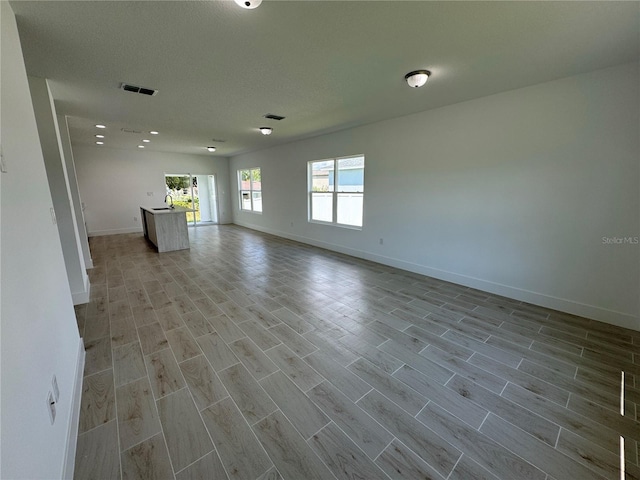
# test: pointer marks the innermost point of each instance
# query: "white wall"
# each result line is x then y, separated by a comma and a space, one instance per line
72, 180
510, 193
59, 185
114, 183
38, 331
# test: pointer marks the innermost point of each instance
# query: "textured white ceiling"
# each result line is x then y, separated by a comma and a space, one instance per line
325, 65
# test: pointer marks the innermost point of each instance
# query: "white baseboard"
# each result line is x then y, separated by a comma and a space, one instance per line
594, 312
80, 298
115, 231
74, 418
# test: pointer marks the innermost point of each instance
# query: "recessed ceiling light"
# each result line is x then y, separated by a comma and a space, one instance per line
211, 149
266, 130
417, 78
153, 132
101, 126
248, 4
140, 146
146, 141
99, 143
99, 136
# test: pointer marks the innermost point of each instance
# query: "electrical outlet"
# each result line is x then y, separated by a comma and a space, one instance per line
149, 194
56, 390
3, 166
135, 219
51, 407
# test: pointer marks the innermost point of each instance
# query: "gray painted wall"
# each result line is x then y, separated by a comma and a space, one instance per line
114, 183
39, 335
511, 193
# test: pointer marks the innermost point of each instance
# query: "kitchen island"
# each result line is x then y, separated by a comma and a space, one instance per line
166, 227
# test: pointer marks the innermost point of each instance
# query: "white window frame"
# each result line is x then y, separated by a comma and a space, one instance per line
250, 191
335, 193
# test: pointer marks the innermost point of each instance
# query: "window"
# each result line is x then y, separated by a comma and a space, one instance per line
250, 187
336, 191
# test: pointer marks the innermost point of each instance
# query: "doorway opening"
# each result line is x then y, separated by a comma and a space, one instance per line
195, 192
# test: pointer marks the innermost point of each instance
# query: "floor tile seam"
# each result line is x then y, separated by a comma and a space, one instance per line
164, 438
520, 382
582, 418
442, 439
499, 349
580, 384
588, 345
615, 412
346, 434
98, 372
494, 411
115, 407
575, 357
395, 403
537, 361
609, 360
250, 427
184, 380
374, 460
587, 465
536, 466
455, 465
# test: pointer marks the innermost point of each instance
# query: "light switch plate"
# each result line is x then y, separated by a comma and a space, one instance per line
56, 390
51, 407
3, 166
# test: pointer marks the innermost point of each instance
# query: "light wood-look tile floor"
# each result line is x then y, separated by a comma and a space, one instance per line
252, 357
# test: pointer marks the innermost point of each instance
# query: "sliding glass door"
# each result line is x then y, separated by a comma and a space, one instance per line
195, 192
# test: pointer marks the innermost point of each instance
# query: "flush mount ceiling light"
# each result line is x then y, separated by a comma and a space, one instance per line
248, 4
417, 78
99, 143
266, 130
99, 136
101, 126
211, 149
153, 132
146, 141
140, 146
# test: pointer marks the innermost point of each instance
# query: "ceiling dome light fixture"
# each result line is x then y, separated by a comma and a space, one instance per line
101, 126
248, 4
153, 132
211, 149
266, 130
417, 78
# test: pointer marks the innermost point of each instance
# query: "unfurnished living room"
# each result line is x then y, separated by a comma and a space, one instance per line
299, 240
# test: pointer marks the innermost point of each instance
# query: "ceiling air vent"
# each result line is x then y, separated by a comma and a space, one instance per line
128, 130
135, 89
271, 116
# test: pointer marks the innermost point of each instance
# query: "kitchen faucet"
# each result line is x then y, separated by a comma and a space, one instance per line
165, 200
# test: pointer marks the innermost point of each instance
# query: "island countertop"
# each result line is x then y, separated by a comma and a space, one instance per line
163, 209
165, 227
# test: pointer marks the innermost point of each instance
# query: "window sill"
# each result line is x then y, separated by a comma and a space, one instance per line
339, 225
